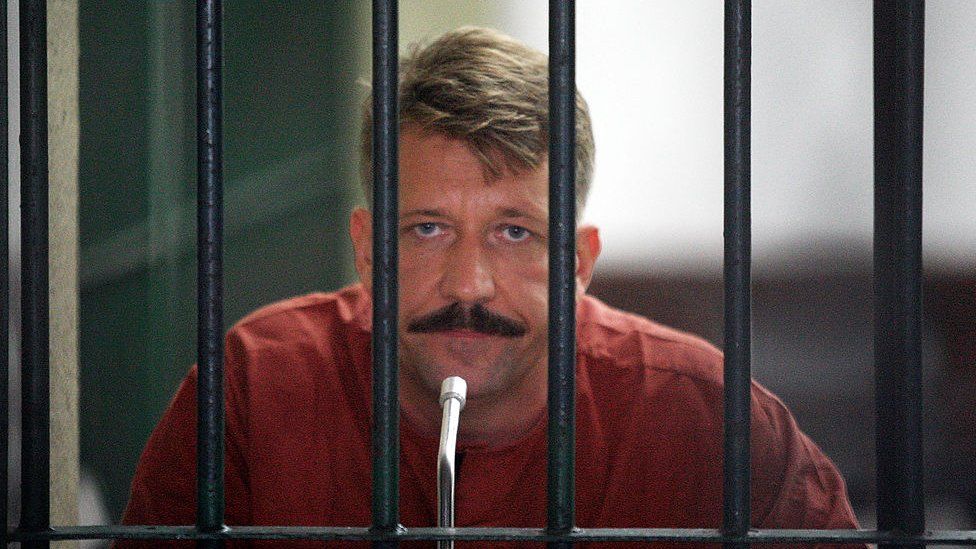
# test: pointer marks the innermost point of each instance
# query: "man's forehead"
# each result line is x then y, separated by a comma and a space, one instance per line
432, 153
440, 176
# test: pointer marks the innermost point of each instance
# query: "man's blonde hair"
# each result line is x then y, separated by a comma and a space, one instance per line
491, 91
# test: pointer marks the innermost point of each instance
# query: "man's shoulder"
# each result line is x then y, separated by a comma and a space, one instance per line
312, 334
292, 350
307, 315
626, 341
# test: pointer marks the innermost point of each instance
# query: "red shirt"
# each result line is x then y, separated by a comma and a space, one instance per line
648, 435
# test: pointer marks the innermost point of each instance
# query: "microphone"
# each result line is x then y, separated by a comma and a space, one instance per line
453, 393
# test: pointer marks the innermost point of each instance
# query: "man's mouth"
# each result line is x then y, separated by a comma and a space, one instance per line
464, 334
472, 322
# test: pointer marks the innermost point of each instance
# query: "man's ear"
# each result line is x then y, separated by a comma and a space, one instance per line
361, 232
587, 251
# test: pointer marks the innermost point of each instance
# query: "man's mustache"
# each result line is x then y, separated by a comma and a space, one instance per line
476, 318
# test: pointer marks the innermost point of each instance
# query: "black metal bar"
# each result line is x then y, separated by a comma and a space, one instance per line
899, 32
737, 265
4, 283
36, 449
345, 533
562, 267
210, 329
386, 401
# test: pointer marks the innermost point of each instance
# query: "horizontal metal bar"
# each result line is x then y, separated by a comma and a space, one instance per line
709, 535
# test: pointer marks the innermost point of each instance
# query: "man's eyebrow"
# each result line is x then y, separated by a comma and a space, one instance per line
503, 212
515, 212
423, 212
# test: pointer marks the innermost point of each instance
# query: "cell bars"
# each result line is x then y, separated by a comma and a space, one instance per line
898, 48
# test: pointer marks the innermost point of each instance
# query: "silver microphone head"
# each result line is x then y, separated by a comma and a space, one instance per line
454, 387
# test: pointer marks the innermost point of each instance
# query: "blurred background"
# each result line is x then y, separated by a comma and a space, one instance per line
652, 74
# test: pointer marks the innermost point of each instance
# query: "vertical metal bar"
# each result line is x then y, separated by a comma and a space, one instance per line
562, 267
210, 349
36, 447
737, 265
4, 282
386, 405
899, 33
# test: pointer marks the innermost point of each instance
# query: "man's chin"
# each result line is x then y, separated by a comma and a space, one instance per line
429, 359
431, 377
464, 350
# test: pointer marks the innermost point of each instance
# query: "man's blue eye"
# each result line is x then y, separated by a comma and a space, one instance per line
426, 229
516, 233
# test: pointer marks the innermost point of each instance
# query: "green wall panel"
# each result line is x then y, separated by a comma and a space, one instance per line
290, 125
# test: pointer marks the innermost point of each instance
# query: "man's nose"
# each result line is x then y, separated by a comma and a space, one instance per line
467, 274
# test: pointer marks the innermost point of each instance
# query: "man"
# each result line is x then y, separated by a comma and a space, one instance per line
473, 302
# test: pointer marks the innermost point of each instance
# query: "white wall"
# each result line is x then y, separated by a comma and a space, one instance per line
652, 73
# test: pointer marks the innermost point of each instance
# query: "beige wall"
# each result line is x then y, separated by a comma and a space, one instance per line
63, 224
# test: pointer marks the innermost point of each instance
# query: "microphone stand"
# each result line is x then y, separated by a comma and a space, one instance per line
453, 393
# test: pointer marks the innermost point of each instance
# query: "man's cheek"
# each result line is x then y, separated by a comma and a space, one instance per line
418, 259
530, 270
414, 274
